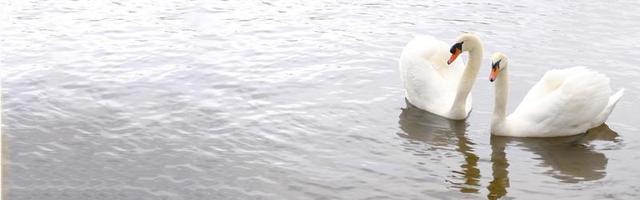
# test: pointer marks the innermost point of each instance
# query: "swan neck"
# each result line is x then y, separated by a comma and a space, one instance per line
468, 76
502, 93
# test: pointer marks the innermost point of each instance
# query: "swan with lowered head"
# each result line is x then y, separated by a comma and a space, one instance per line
435, 84
564, 102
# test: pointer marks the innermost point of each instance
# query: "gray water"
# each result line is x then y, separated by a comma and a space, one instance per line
298, 100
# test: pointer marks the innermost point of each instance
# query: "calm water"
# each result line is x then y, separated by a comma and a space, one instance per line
297, 100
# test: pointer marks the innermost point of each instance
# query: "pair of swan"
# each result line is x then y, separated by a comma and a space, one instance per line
564, 102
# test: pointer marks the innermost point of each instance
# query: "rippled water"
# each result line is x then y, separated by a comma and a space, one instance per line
297, 100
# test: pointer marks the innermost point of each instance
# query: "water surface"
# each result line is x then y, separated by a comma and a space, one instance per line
297, 100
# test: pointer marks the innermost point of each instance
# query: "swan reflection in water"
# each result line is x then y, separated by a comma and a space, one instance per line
569, 159
439, 132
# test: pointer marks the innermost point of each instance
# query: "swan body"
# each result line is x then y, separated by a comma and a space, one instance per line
434, 84
564, 102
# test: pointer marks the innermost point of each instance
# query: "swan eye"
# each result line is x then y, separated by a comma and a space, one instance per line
456, 46
496, 65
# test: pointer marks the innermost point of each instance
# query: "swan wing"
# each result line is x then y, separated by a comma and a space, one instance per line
563, 102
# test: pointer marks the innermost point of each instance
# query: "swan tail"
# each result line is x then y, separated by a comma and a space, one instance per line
613, 100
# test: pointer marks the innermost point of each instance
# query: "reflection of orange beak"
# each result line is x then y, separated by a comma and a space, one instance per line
453, 56
494, 74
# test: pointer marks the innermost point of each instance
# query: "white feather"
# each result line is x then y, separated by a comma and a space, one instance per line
430, 84
564, 102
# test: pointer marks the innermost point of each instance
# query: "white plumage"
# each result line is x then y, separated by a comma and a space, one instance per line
433, 85
564, 102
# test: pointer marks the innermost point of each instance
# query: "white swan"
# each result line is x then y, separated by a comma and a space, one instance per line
436, 85
564, 102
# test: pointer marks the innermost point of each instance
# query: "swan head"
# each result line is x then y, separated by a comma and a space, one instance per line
464, 42
499, 62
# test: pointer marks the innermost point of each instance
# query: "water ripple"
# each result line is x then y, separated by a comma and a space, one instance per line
295, 100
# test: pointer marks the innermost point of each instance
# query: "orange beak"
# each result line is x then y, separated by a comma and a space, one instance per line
494, 74
454, 56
